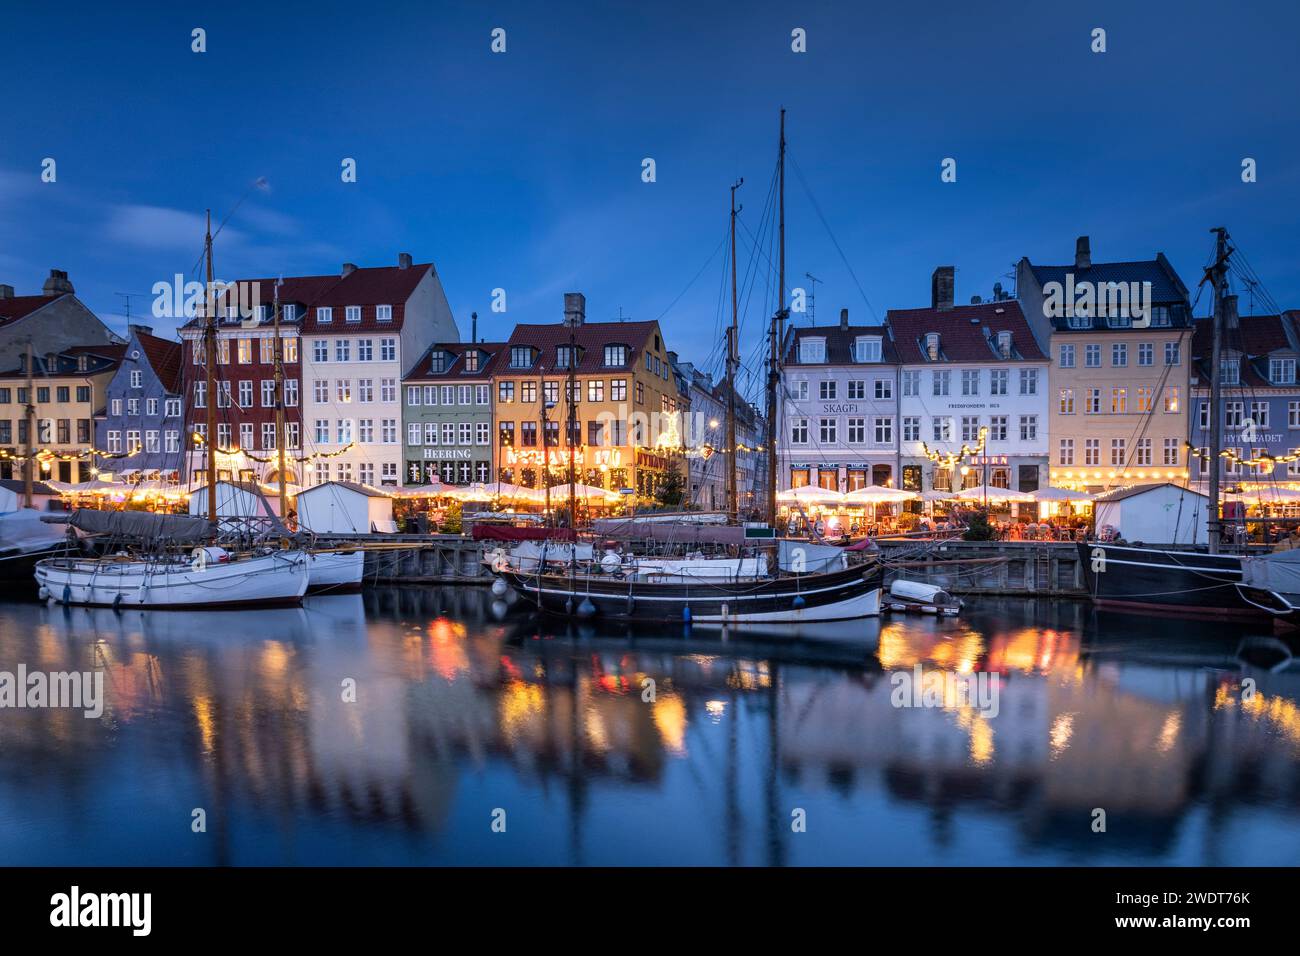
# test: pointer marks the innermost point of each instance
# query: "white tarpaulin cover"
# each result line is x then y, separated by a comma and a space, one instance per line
804, 557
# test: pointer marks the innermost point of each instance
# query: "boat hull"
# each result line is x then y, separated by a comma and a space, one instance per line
1156, 581
836, 596
335, 572
266, 580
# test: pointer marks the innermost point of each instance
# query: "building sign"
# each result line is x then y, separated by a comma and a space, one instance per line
989, 460
842, 408
559, 457
448, 454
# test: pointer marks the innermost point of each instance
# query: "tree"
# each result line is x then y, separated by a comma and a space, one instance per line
978, 528
672, 488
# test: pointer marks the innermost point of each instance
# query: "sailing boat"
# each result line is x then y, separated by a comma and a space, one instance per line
724, 592
165, 577
1165, 580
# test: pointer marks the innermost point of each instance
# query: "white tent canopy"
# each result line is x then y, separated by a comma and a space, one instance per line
874, 494
1060, 494
983, 493
810, 495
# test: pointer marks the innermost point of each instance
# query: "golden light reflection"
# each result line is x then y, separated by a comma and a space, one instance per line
1169, 732
203, 716
447, 649
669, 715
520, 703
1061, 732
716, 709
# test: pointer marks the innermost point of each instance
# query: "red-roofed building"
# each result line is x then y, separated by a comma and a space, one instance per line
53, 321
965, 369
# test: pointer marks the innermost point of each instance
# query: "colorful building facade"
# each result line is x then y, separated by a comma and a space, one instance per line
447, 415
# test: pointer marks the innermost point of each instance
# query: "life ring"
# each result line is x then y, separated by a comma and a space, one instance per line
499, 562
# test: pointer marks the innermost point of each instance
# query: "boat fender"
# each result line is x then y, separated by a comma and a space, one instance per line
568, 605
117, 601
499, 587
631, 602
67, 594
686, 614
43, 593
586, 608
798, 602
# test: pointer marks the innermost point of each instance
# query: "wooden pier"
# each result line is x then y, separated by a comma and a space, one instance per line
418, 558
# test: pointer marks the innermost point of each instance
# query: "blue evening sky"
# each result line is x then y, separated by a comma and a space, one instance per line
523, 170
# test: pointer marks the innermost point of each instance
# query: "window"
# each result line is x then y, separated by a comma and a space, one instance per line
137, 378
1230, 371
528, 392
343, 428
1233, 414
200, 397
291, 313
615, 356
911, 384
618, 390
430, 393
1144, 451
1171, 399
343, 389
1093, 405
884, 431
505, 392
506, 434
172, 408
1092, 451
324, 314
1065, 452
1067, 401
413, 395
388, 390
116, 404
320, 350
997, 428
482, 432
596, 390
388, 350
431, 433
322, 431
970, 381
521, 356
1144, 394
389, 431
1117, 451
1292, 416
942, 429
812, 350
1067, 357
858, 389
857, 431
342, 350
383, 313
1281, 371
1160, 316
115, 442
1092, 356
799, 431
481, 394
268, 393
866, 349
1029, 381
970, 428
265, 350
448, 395
413, 433
939, 382
1146, 354
911, 428
246, 436
640, 393
132, 405
320, 391
801, 390
884, 389
1119, 355
366, 430
291, 393
564, 356
352, 313
246, 393
1029, 428
826, 391
1118, 400
1172, 353
133, 441
223, 351
1259, 414
171, 441
268, 436
244, 351
551, 392
463, 395
826, 430
998, 381
471, 360
528, 434
366, 390
83, 393
596, 434
365, 350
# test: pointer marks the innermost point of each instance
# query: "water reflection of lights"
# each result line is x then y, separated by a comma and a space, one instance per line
1169, 732
669, 715
520, 704
1281, 712
1062, 731
716, 709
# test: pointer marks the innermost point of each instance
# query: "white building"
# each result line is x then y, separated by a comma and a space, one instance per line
358, 338
342, 507
838, 407
1155, 514
963, 369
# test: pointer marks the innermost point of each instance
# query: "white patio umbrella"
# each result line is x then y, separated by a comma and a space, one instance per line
934, 494
1060, 494
1265, 495
981, 493
587, 492
810, 495
875, 494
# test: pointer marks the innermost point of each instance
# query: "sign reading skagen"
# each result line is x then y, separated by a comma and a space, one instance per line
843, 408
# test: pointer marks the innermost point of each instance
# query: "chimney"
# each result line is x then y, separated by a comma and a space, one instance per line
941, 283
57, 283
6, 292
1230, 317
1082, 253
403, 260
134, 329
349, 268
473, 326
575, 308
844, 320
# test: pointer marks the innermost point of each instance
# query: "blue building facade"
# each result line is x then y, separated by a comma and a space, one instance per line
143, 417
1259, 397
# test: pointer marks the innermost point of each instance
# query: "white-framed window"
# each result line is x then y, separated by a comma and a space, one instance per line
1119, 355
388, 431
1065, 452
1259, 414
448, 434
365, 350
1118, 400
826, 390
1066, 406
343, 350
866, 348
1292, 415
388, 350
911, 428
366, 431
939, 381
1092, 356
343, 389
365, 390
857, 431
324, 314
383, 313
115, 442
343, 428
268, 436
290, 393
1117, 448
132, 405
245, 393
322, 429
799, 431
970, 428
387, 391
1171, 400
1281, 371
1066, 359
1173, 353
352, 313
116, 404
1144, 451
998, 381
857, 389
970, 381
320, 350
884, 389
911, 384
1230, 371
246, 436
1092, 451
482, 433
1029, 381
171, 441
883, 430
482, 394
465, 433
812, 350
827, 430
268, 393
137, 378
942, 429
320, 390
997, 428
1028, 427
413, 433
1146, 353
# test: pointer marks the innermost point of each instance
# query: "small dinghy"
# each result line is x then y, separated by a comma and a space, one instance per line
917, 598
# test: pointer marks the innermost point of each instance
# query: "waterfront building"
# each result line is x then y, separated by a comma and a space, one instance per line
70, 387
51, 322
706, 441
245, 384
1259, 402
625, 400
964, 369
838, 407
447, 414
359, 336
143, 417
1119, 335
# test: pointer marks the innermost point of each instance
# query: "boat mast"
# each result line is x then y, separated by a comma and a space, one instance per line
210, 361
732, 331
278, 353
776, 334
30, 464
572, 426
1218, 275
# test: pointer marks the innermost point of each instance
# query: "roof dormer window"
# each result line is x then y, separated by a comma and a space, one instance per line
1230, 371
812, 351
352, 313
1004, 344
472, 360
565, 356
867, 348
932, 346
1281, 371
616, 356
324, 314
521, 356
438, 362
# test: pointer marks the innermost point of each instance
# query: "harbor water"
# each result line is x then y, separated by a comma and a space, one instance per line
420, 726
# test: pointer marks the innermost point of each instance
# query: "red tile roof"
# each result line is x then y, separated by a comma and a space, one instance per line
421, 371
964, 333
1256, 337
165, 358
21, 306
591, 339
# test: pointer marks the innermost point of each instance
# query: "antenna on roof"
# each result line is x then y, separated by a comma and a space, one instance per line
1251, 285
128, 296
621, 317
812, 298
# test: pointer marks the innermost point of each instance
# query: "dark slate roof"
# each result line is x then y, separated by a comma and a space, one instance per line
1255, 339
1119, 494
839, 343
455, 365
21, 306
104, 359
967, 333
1166, 286
591, 339
381, 285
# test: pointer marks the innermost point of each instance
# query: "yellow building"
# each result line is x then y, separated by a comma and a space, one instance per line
68, 392
625, 408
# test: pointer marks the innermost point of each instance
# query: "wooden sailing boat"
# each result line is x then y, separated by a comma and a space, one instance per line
160, 574
713, 592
